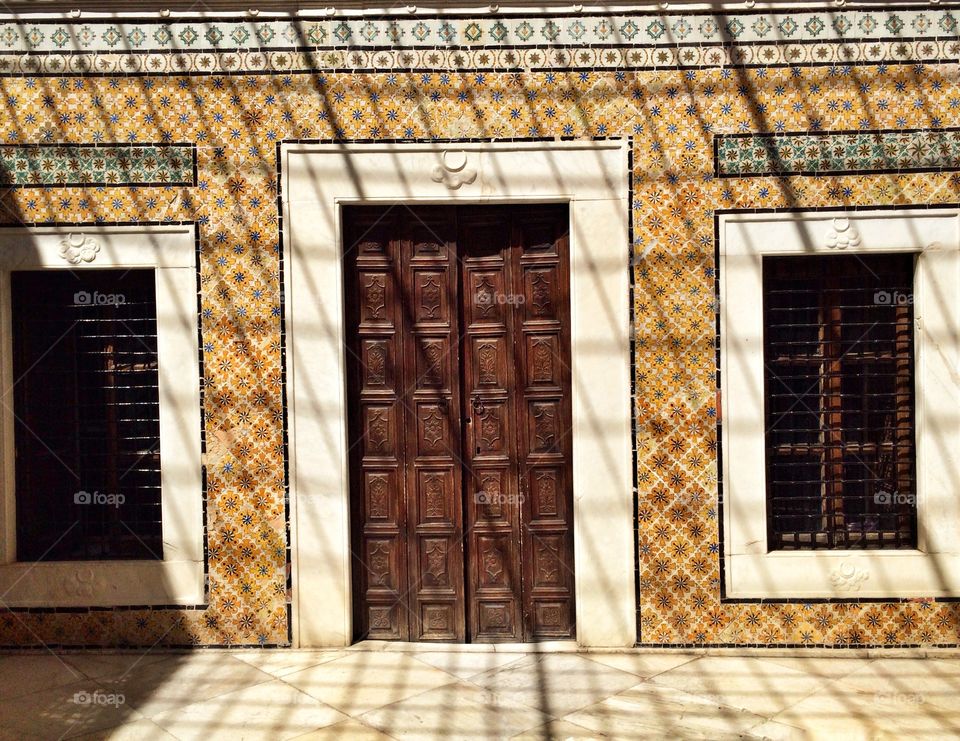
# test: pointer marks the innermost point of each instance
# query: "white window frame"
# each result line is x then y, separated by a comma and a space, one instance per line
933, 569
591, 176
178, 578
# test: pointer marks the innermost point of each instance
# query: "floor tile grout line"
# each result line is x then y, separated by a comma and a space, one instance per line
172, 677
519, 658
702, 697
293, 670
828, 683
360, 669
642, 676
538, 711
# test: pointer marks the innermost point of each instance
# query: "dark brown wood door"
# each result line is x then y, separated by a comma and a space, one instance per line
459, 383
403, 371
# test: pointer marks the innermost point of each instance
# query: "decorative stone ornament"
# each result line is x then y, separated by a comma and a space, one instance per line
848, 577
843, 235
77, 248
453, 171
82, 582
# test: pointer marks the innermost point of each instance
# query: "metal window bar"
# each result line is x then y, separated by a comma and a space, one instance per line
839, 402
87, 404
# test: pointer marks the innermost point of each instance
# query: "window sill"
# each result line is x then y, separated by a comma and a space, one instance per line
101, 583
894, 574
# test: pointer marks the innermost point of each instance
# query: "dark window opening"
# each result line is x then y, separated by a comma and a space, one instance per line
87, 429
839, 401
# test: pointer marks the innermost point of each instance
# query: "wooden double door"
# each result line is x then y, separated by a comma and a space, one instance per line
460, 422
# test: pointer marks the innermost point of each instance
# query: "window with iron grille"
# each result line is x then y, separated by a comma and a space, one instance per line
839, 401
839, 398
86, 400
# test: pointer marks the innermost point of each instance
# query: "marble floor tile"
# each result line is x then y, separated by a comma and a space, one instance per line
21, 674
281, 663
66, 711
360, 682
466, 665
643, 665
775, 731
473, 694
348, 730
113, 666
910, 681
180, 680
270, 710
137, 730
461, 711
753, 684
650, 710
11, 735
556, 684
559, 729
841, 711
828, 668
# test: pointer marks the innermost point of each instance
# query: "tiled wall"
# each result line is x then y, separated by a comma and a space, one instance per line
693, 92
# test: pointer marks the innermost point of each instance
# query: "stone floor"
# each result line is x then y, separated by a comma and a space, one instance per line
382, 691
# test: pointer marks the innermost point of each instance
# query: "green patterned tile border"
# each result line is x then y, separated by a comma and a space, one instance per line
57, 165
837, 153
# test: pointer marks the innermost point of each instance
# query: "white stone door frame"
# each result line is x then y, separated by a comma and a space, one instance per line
592, 177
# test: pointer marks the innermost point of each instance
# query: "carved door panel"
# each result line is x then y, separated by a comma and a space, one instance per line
491, 486
540, 267
459, 386
432, 395
378, 418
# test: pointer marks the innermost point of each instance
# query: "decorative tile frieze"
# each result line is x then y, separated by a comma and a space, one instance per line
489, 30
489, 42
852, 152
60, 165
627, 56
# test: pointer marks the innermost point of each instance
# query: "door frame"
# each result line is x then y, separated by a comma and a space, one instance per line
592, 177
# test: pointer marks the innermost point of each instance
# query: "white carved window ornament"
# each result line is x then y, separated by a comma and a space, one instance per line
77, 248
848, 577
843, 235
